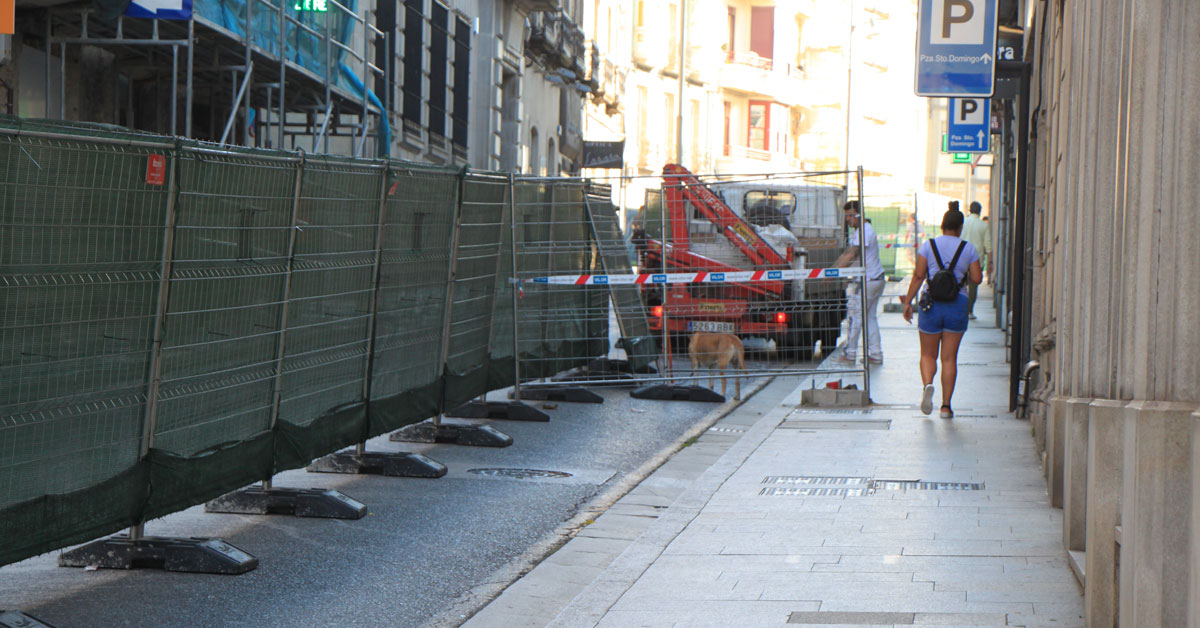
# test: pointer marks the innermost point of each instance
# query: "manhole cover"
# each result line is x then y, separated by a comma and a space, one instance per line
521, 474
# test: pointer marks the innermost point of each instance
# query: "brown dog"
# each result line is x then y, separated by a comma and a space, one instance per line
709, 349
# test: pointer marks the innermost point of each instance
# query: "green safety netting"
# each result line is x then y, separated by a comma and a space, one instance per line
302, 304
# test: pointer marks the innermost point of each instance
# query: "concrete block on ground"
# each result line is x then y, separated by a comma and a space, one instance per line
836, 398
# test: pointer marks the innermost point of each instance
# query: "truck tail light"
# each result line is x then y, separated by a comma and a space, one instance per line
781, 317
656, 311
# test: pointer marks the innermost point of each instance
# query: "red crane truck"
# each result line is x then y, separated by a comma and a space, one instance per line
764, 224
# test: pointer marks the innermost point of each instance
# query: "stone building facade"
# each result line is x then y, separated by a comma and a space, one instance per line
1116, 308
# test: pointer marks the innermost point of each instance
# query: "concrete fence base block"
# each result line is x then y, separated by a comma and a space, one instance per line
396, 465
297, 502
452, 434
17, 619
834, 398
502, 410
193, 555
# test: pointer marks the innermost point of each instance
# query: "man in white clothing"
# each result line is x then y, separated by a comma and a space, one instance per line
875, 284
977, 232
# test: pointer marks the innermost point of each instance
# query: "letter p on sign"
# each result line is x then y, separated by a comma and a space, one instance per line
967, 111
958, 22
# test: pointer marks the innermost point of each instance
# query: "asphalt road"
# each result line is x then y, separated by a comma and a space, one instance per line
423, 546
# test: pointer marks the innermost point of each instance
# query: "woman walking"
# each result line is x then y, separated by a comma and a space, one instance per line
943, 318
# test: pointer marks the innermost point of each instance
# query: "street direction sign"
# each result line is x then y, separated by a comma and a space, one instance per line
956, 45
968, 129
160, 9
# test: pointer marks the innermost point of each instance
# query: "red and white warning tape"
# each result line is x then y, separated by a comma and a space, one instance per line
742, 276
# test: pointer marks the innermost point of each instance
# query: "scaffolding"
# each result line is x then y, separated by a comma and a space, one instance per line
267, 73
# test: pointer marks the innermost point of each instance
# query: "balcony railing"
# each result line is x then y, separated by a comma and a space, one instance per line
749, 58
778, 160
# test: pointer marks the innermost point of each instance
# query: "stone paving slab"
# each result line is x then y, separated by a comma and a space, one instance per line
712, 548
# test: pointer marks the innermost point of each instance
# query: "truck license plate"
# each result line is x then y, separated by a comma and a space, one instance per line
713, 326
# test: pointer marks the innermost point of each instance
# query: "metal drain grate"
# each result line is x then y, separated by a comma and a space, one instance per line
831, 411
918, 485
520, 474
826, 480
851, 486
728, 430
772, 491
959, 415
843, 424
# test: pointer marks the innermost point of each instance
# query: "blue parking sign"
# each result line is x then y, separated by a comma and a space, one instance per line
956, 45
968, 128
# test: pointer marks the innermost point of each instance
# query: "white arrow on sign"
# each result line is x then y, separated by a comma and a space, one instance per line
987, 58
981, 137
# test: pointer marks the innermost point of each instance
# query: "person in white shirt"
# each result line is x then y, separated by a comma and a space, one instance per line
875, 283
977, 232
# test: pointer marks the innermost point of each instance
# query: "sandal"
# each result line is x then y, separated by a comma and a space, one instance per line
947, 413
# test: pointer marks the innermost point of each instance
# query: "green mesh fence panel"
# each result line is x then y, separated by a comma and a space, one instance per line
638, 341
886, 223
411, 304
224, 314
332, 287
81, 247
482, 225
553, 238
571, 251
501, 367
532, 216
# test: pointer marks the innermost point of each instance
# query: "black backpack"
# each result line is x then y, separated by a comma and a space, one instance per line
943, 285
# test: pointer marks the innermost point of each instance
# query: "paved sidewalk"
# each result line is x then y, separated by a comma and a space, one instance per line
784, 515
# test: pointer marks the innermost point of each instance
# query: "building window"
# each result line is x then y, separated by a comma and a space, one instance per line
728, 117
414, 57
385, 51
642, 126
439, 48
673, 40
731, 40
462, 82
669, 111
759, 125
694, 133
535, 156
762, 31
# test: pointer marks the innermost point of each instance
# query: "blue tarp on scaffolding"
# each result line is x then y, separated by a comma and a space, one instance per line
301, 46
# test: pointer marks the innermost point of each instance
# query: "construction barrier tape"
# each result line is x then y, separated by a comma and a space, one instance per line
741, 276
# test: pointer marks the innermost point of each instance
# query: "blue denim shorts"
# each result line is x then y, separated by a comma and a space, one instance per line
945, 316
